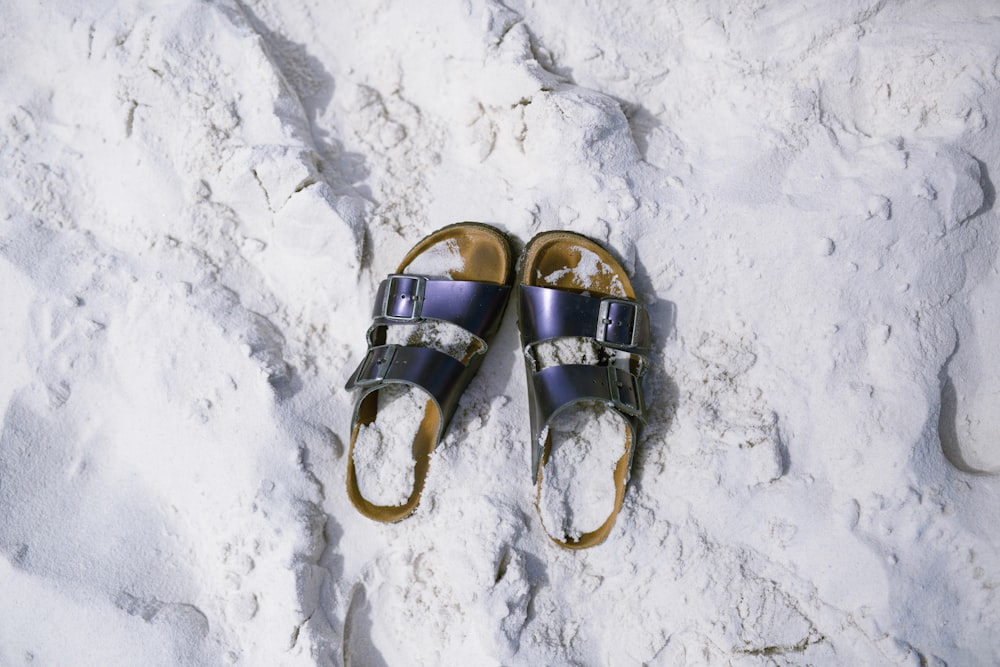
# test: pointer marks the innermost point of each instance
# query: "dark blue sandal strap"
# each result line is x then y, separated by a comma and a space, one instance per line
407, 299
439, 374
546, 313
553, 389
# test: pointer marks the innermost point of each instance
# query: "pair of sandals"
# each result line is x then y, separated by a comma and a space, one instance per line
569, 286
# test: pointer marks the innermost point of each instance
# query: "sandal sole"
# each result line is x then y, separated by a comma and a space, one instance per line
544, 263
488, 257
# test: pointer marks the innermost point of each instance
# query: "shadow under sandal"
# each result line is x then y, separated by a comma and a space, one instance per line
472, 294
584, 338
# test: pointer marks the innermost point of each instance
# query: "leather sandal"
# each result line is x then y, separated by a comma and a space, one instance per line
473, 298
571, 286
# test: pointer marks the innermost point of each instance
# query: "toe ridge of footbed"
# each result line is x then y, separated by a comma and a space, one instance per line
571, 261
485, 250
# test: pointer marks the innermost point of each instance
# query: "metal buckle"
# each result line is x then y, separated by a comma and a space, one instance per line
375, 365
404, 297
616, 317
617, 387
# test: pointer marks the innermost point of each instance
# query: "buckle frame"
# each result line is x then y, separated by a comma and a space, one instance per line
403, 300
608, 316
365, 377
616, 387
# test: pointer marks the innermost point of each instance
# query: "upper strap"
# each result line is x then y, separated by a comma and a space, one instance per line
547, 313
407, 299
437, 373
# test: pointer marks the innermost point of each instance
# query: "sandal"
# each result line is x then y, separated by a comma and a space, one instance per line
460, 275
585, 339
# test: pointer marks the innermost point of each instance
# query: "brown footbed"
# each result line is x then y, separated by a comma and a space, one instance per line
544, 255
488, 258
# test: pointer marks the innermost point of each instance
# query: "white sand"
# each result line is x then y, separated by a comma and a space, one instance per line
198, 200
577, 494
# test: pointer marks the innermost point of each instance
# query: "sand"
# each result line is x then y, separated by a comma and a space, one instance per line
199, 199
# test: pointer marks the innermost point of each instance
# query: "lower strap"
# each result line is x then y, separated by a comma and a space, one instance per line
439, 374
555, 388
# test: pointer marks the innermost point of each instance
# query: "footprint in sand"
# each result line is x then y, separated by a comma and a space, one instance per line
437, 605
969, 424
359, 644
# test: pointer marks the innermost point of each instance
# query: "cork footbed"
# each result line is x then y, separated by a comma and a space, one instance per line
486, 252
487, 258
549, 255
